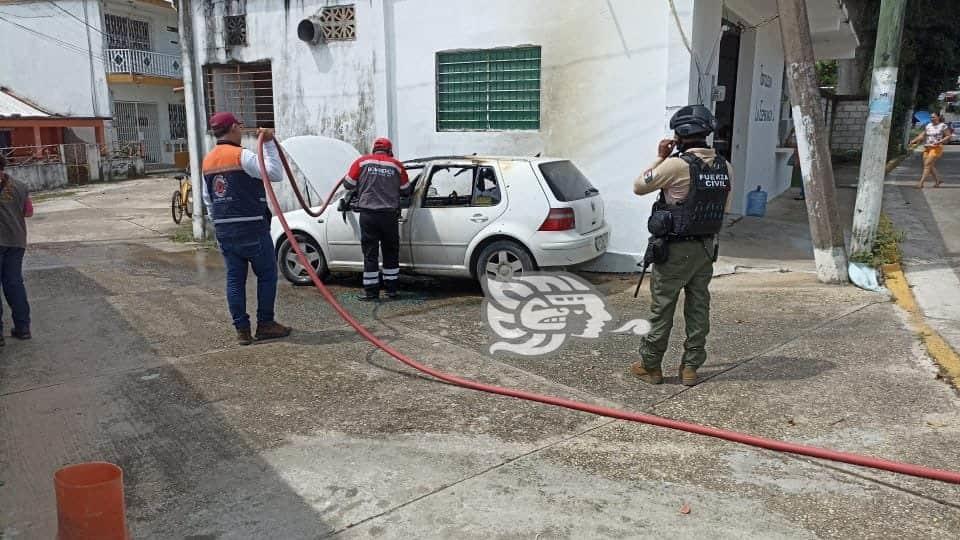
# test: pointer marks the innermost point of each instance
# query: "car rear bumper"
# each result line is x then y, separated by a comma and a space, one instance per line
568, 248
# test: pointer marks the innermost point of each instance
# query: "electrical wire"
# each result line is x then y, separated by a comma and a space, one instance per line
693, 55
78, 19
66, 45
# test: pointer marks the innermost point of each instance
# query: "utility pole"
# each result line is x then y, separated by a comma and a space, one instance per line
195, 117
883, 89
829, 252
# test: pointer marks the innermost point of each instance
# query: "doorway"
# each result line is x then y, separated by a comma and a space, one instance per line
727, 78
136, 122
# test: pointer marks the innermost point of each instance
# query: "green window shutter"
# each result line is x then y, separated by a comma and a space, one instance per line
489, 90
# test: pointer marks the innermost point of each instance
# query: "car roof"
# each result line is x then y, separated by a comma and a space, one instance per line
476, 157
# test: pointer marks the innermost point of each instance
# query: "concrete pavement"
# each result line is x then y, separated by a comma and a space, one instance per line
322, 436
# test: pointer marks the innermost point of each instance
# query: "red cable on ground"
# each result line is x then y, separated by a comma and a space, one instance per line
742, 438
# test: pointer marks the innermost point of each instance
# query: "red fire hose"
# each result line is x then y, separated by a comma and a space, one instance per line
742, 438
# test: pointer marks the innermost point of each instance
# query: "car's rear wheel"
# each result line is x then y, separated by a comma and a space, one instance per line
503, 260
290, 265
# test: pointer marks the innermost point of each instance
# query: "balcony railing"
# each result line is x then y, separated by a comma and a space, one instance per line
137, 62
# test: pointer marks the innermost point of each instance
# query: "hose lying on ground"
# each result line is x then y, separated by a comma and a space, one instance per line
742, 438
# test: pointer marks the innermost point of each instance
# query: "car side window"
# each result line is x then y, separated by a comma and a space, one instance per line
449, 185
487, 188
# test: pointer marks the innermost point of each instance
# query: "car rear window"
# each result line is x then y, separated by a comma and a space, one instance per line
566, 181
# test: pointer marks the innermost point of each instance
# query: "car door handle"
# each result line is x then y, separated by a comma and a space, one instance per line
479, 218
402, 220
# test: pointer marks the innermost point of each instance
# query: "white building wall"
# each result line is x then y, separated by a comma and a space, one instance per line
603, 97
53, 59
764, 78
613, 71
318, 90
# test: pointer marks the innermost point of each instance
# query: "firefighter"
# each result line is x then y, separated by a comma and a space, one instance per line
694, 186
237, 204
378, 181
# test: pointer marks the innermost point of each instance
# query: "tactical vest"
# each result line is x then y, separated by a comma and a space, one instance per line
238, 202
701, 213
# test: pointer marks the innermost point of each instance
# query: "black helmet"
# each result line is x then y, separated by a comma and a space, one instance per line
693, 120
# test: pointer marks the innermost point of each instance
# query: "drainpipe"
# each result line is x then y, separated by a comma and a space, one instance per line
390, 66
193, 103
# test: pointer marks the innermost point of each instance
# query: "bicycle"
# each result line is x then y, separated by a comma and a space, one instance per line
182, 201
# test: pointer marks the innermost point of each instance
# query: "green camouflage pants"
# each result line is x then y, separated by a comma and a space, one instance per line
689, 267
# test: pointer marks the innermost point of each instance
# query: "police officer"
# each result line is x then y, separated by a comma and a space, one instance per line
694, 185
378, 181
237, 204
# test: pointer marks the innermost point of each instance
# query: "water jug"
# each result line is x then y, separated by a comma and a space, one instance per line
757, 203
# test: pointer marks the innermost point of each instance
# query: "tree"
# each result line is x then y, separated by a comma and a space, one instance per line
929, 58
827, 73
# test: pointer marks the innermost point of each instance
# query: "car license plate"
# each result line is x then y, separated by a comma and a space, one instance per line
601, 242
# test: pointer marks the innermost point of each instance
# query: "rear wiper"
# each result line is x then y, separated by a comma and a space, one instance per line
591, 191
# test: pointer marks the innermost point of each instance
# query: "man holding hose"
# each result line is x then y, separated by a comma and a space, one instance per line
237, 204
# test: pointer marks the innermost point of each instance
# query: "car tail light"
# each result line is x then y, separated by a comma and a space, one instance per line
559, 219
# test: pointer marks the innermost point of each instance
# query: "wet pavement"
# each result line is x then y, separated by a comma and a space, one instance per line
133, 362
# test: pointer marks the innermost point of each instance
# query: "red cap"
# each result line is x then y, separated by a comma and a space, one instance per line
222, 120
383, 144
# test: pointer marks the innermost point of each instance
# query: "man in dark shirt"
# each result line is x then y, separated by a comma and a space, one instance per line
379, 180
15, 205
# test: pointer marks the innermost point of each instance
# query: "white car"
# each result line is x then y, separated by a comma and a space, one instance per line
467, 216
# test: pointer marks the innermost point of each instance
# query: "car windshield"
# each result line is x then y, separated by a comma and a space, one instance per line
566, 181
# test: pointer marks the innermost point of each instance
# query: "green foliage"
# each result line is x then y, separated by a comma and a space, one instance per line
929, 55
184, 235
886, 245
827, 73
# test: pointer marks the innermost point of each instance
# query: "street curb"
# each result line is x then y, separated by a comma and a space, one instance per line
937, 347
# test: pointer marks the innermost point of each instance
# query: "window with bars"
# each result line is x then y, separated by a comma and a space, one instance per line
246, 90
489, 90
177, 113
125, 33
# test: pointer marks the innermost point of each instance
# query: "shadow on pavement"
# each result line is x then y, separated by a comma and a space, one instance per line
90, 386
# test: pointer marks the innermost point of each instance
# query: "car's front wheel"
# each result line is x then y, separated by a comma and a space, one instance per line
503, 260
290, 265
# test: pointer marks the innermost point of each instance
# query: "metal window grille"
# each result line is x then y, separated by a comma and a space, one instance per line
137, 123
126, 33
177, 113
489, 90
235, 28
246, 90
339, 23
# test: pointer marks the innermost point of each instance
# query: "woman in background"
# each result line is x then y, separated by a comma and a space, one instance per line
933, 136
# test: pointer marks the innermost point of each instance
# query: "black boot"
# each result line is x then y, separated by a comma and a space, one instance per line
369, 294
392, 292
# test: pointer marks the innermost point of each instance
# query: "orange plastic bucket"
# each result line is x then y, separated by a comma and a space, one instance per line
90, 502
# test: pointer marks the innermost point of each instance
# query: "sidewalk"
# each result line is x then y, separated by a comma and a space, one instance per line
780, 241
931, 250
